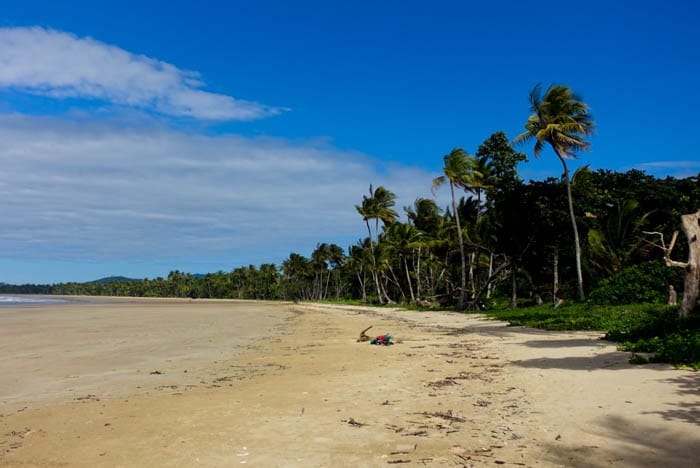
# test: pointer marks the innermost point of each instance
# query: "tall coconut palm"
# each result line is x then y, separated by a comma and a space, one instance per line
458, 171
561, 119
379, 207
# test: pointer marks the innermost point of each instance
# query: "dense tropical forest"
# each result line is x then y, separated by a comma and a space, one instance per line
517, 243
588, 240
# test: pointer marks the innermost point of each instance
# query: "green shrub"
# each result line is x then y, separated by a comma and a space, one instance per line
681, 347
646, 282
636, 323
641, 328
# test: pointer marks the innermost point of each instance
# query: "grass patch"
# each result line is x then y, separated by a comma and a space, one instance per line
643, 328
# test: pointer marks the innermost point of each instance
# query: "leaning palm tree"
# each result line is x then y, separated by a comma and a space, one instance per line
459, 172
561, 119
378, 206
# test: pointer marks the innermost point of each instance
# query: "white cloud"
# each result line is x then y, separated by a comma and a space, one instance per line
679, 169
62, 65
670, 164
98, 191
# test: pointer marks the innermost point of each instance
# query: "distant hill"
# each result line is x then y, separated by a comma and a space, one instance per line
114, 279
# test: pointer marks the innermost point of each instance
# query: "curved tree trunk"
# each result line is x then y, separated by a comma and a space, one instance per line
690, 224
418, 295
463, 287
375, 275
489, 287
577, 242
408, 279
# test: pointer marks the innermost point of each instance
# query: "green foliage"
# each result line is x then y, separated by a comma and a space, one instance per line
680, 348
559, 118
499, 155
570, 316
641, 328
616, 240
645, 282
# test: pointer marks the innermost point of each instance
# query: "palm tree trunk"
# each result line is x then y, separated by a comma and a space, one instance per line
463, 284
418, 275
396, 282
555, 279
489, 287
472, 285
328, 281
374, 264
363, 281
408, 278
514, 291
383, 284
577, 242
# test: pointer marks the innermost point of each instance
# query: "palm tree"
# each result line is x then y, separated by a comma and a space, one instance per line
615, 241
459, 172
426, 217
404, 240
378, 206
561, 119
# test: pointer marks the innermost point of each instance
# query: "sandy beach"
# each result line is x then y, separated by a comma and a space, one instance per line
223, 383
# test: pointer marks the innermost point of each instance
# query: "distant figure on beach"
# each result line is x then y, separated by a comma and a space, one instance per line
672, 297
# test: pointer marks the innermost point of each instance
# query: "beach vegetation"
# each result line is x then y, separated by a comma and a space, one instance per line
561, 119
460, 172
654, 329
501, 245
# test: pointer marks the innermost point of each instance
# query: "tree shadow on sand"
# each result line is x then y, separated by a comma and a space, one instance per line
613, 359
567, 343
497, 329
688, 411
631, 444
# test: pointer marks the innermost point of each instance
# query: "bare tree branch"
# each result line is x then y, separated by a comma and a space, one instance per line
667, 250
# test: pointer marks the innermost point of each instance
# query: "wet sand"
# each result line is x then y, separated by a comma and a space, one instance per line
456, 391
114, 347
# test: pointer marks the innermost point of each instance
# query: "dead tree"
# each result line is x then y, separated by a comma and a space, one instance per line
690, 225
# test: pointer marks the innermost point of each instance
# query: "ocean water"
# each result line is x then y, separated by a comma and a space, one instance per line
29, 300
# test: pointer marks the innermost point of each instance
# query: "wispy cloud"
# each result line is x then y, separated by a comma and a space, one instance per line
670, 164
61, 65
97, 191
679, 168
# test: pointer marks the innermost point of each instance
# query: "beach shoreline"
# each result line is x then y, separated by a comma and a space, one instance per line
456, 390
53, 352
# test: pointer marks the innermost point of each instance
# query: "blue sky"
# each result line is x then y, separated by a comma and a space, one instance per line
140, 137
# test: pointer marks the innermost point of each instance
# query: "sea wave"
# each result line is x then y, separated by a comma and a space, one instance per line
19, 300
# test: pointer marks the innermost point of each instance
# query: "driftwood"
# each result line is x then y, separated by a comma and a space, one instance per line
363, 335
690, 225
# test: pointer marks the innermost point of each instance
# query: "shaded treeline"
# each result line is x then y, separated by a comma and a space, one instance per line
499, 236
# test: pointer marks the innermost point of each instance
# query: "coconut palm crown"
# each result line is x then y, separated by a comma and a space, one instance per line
559, 118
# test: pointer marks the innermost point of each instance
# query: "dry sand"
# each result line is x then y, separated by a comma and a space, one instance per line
79, 388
